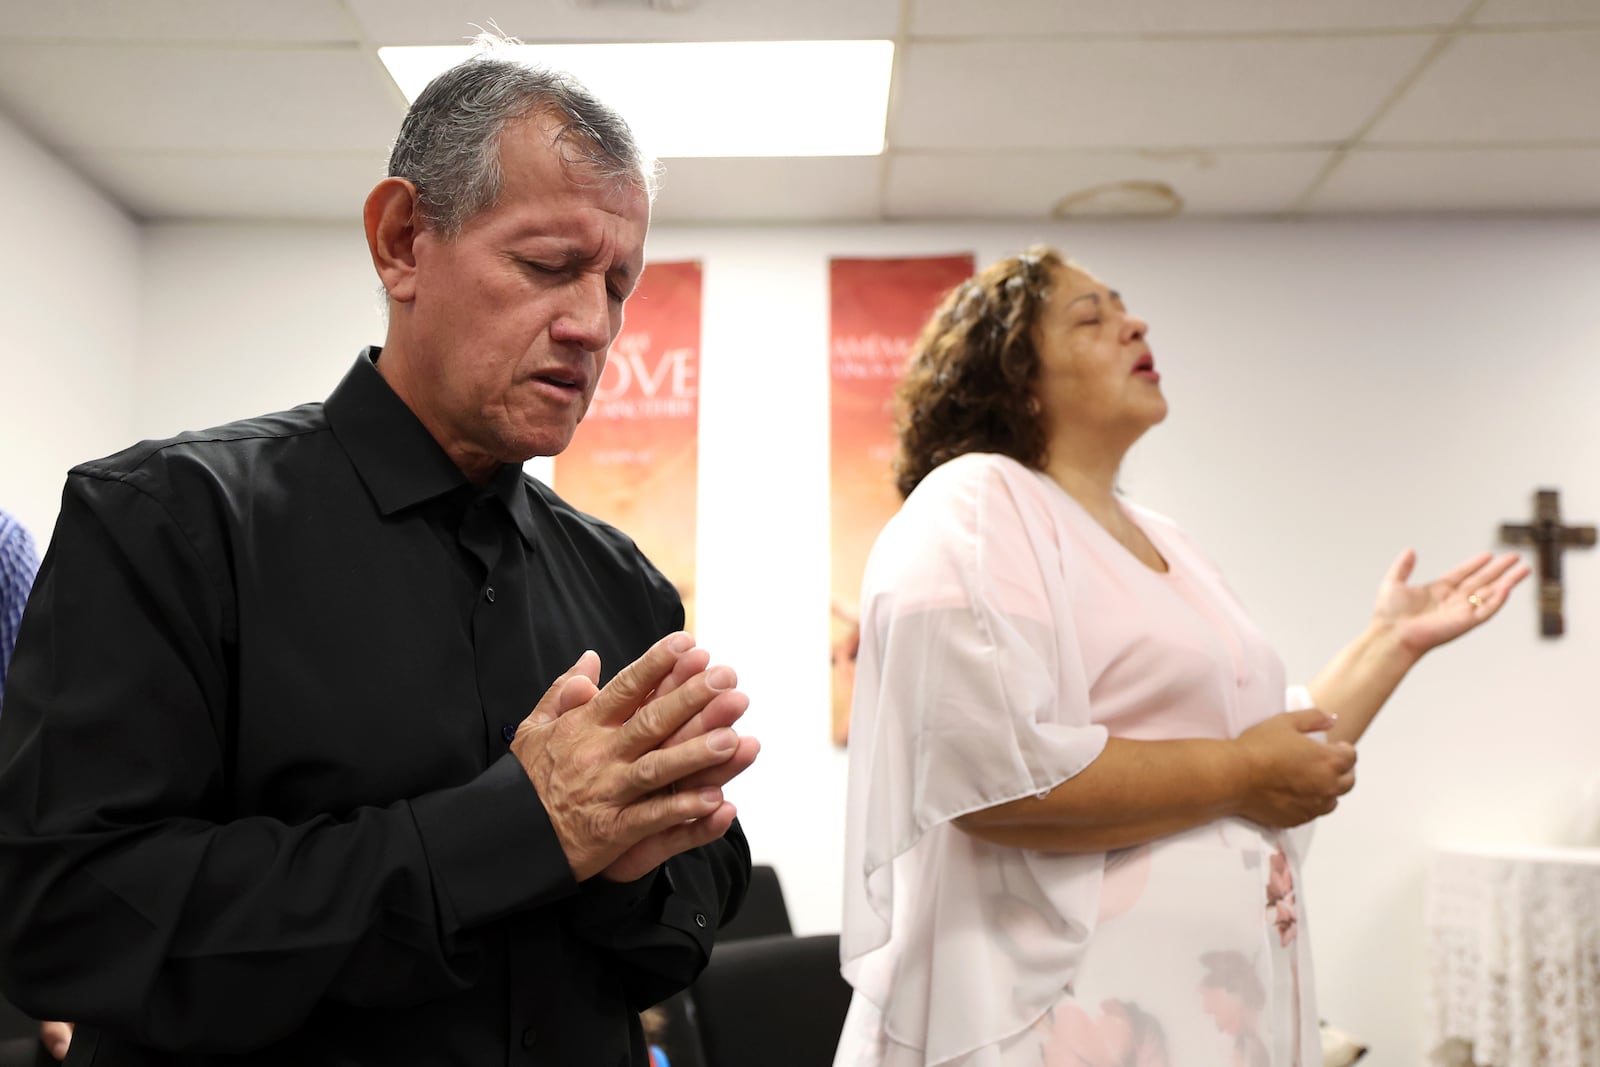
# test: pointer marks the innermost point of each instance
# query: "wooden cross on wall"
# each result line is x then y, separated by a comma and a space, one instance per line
1549, 538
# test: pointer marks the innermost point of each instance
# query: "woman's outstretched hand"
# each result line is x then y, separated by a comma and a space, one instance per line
1423, 617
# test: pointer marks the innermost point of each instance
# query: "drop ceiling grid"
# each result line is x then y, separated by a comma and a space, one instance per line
173, 188
212, 100
962, 18
197, 21
1477, 180
236, 108
1022, 185
1538, 13
447, 21
1503, 88
1162, 94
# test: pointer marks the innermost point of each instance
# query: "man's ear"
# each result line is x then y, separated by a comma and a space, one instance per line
390, 217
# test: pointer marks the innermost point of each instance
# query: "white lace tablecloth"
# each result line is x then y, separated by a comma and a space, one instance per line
1513, 941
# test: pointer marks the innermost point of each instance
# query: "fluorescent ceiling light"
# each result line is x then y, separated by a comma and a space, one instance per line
744, 98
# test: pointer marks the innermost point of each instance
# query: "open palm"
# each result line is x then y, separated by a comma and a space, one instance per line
1426, 616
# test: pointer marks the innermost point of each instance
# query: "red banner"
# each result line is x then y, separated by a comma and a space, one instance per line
635, 460
878, 307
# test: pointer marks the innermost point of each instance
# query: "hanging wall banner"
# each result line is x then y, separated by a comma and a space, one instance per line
635, 459
877, 309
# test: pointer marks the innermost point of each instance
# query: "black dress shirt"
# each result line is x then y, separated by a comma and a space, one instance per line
257, 803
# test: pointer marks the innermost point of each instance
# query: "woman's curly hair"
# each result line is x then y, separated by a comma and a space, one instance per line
969, 384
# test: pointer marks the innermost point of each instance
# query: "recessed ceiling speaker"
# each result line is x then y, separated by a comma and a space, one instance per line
648, 5
1128, 199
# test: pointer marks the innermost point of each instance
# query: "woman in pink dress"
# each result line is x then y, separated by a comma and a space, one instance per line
1076, 773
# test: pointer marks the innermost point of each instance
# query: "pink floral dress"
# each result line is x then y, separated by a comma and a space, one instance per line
1005, 636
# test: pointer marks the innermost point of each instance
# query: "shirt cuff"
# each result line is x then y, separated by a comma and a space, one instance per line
602, 905
491, 847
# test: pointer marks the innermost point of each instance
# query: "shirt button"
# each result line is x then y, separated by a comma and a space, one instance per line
700, 920
528, 1037
488, 594
509, 732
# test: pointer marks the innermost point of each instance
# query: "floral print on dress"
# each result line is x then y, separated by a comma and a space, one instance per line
1122, 1036
1281, 909
1232, 994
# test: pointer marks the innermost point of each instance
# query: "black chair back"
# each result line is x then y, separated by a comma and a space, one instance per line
763, 912
776, 1001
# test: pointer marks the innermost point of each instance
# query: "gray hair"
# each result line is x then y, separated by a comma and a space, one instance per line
449, 143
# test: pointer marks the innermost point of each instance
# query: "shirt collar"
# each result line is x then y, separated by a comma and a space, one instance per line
509, 485
396, 457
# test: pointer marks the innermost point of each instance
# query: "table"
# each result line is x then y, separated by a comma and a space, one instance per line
1513, 952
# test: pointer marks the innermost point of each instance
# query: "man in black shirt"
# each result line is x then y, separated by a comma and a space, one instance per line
270, 788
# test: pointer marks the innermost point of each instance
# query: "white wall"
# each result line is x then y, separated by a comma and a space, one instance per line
69, 312
1338, 391
243, 320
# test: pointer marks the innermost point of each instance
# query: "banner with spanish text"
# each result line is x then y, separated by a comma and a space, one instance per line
877, 309
635, 459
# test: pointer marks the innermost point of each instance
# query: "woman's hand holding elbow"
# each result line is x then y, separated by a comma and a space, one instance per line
1286, 777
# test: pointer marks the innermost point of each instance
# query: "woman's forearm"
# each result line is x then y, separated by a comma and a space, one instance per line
1134, 792
1359, 680
1137, 791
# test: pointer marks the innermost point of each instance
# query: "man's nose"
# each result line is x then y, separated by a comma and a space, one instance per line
585, 316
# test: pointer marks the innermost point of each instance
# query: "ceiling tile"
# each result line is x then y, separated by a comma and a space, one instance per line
243, 109
328, 188
1028, 184
1537, 12
811, 189
1059, 94
99, 98
175, 20
1466, 180
963, 18
1503, 87
388, 22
